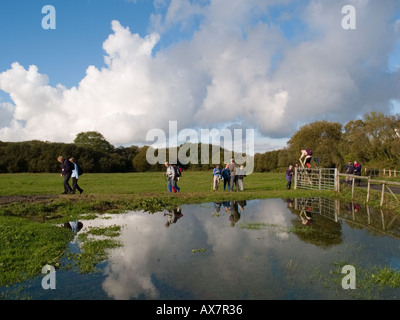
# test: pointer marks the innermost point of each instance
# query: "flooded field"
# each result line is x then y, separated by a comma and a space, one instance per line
274, 249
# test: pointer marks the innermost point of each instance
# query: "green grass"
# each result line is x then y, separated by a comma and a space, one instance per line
128, 191
94, 249
27, 246
151, 183
30, 239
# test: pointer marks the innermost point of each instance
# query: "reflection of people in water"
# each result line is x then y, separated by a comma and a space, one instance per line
217, 206
306, 218
290, 202
226, 205
352, 206
75, 226
173, 216
235, 215
242, 204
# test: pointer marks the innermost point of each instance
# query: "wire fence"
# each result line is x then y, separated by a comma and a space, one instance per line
317, 179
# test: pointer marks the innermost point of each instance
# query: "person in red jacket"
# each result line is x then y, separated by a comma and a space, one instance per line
357, 172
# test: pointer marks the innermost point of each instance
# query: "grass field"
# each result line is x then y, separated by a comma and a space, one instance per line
130, 183
38, 196
195, 187
31, 207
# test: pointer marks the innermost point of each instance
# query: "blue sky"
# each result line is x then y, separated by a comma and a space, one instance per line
81, 27
126, 67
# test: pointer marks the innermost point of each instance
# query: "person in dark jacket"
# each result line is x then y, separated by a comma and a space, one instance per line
289, 177
349, 169
66, 172
357, 172
227, 177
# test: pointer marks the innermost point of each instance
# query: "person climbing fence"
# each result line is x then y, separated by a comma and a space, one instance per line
305, 158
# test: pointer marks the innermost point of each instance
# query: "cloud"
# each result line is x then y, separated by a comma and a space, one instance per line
239, 66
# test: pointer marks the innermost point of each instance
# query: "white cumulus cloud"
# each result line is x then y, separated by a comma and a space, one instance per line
239, 66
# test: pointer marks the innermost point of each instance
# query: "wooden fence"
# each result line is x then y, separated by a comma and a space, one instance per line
382, 172
354, 178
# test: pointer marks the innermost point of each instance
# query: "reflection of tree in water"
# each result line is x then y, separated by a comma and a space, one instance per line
320, 231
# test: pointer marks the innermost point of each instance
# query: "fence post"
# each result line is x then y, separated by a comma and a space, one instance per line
368, 190
295, 178
383, 193
320, 177
336, 181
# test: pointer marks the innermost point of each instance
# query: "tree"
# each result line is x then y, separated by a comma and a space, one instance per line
355, 145
93, 140
139, 162
323, 138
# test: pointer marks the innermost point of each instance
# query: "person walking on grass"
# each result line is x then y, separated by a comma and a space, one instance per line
66, 172
75, 177
177, 174
170, 174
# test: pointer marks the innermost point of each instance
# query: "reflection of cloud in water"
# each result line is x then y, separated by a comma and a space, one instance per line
272, 212
152, 251
128, 271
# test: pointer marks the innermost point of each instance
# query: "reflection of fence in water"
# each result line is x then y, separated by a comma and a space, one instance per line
320, 179
322, 206
352, 213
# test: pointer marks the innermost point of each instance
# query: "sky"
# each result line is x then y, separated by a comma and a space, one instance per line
126, 67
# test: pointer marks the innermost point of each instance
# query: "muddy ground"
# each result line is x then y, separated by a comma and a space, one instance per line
31, 199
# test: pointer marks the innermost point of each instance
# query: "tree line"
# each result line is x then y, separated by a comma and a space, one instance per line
93, 153
372, 140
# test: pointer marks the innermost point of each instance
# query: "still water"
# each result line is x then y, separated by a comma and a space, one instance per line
280, 249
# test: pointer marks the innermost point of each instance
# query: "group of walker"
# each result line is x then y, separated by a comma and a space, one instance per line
231, 175
70, 170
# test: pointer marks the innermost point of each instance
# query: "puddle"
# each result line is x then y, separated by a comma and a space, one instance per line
279, 249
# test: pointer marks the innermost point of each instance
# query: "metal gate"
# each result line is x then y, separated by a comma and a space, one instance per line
318, 179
